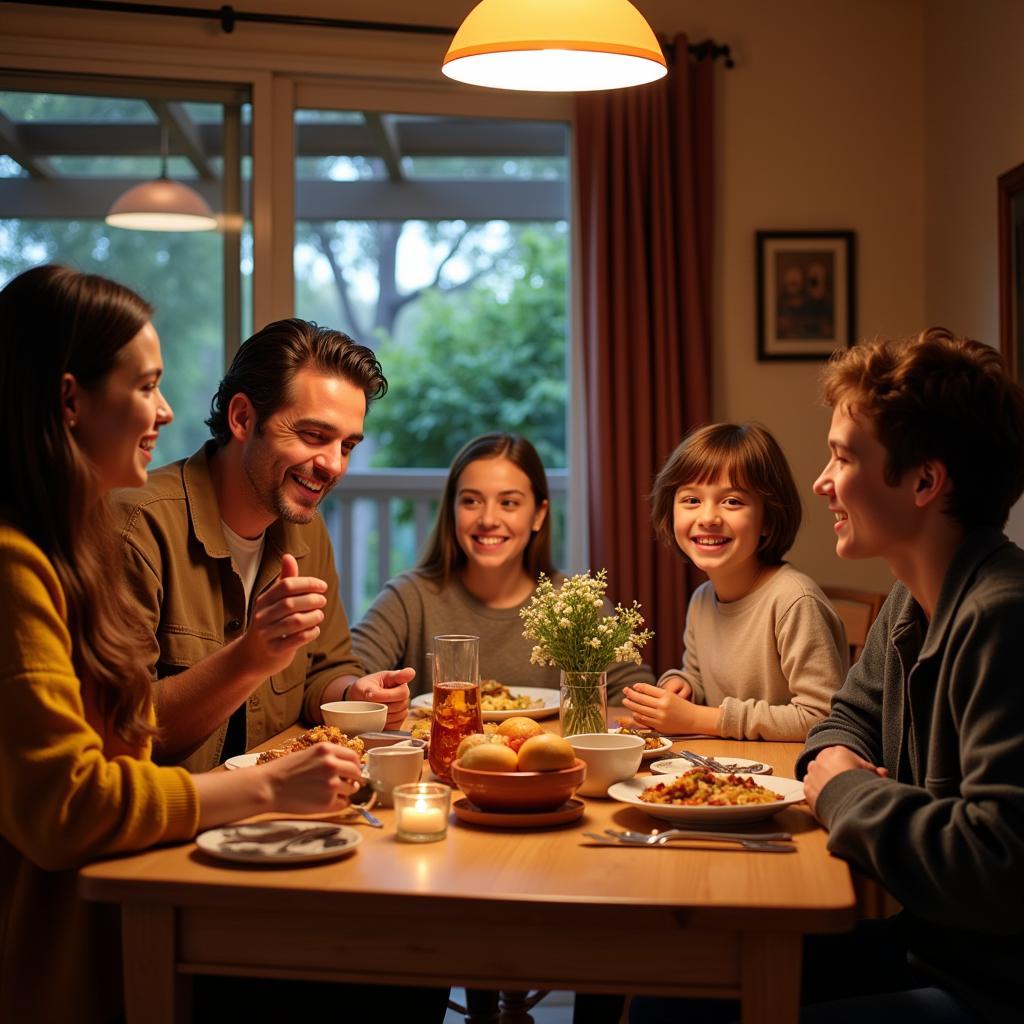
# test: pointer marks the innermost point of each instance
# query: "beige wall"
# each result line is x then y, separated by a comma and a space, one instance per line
974, 113
820, 125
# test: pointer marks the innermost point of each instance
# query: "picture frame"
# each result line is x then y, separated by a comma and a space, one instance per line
1011, 270
806, 298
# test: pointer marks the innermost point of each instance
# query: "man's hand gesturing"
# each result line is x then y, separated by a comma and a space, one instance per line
285, 618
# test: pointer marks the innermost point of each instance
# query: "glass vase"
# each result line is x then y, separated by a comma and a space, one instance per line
584, 702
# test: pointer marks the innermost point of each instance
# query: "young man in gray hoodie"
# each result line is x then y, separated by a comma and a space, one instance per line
918, 771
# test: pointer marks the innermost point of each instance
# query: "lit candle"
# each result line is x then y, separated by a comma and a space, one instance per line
421, 811
421, 818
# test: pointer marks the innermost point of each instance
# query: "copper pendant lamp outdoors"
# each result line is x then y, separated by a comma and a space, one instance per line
554, 46
162, 204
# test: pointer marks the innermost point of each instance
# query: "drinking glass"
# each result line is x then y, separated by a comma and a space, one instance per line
456, 699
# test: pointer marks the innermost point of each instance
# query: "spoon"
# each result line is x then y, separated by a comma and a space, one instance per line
367, 816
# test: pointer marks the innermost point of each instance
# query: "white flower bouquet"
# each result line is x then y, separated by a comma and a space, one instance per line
570, 631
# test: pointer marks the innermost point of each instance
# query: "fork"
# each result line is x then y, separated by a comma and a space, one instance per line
681, 833
717, 766
747, 845
704, 762
746, 842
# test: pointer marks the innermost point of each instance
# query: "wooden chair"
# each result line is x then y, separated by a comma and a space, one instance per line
857, 609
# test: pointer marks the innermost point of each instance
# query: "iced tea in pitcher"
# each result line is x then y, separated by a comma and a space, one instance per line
456, 716
456, 699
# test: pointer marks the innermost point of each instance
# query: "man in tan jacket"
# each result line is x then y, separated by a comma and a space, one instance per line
233, 566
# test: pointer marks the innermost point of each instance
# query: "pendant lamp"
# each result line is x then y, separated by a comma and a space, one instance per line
162, 204
554, 46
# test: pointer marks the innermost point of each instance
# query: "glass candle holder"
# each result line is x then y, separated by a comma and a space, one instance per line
421, 811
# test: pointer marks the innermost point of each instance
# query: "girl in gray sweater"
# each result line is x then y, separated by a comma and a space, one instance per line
491, 539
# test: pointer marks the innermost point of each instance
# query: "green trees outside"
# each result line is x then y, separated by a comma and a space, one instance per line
180, 274
492, 358
483, 349
468, 318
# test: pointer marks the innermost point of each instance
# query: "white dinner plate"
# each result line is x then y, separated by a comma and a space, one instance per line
549, 707
664, 744
675, 765
790, 792
241, 761
254, 843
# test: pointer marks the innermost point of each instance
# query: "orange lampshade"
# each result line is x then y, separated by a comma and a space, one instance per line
554, 46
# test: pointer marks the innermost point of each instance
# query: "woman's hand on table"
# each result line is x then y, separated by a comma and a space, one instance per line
320, 778
830, 762
661, 709
316, 780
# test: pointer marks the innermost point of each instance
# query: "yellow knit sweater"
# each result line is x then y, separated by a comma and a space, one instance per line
68, 795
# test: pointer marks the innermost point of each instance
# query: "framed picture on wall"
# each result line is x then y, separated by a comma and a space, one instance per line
1011, 269
805, 293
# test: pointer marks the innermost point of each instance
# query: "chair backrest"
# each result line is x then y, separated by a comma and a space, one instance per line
857, 609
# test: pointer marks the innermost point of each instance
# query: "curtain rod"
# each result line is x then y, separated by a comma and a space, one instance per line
229, 17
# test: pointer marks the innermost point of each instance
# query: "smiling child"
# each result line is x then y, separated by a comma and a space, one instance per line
764, 650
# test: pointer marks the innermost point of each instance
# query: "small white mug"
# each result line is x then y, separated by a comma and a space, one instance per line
388, 767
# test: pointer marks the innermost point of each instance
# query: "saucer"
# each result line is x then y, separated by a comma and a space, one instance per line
571, 810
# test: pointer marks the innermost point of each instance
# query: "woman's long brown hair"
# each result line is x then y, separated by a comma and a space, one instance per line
54, 321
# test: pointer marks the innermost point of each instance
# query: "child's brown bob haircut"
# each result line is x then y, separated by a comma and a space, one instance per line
940, 397
749, 457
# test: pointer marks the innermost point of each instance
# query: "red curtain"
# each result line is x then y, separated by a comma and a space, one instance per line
644, 168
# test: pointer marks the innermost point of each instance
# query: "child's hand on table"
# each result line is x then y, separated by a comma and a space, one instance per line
675, 684
658, 708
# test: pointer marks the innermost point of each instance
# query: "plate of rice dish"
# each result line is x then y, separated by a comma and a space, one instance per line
699, 796
498, 702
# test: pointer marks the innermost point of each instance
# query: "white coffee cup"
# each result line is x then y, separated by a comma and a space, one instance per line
388, 767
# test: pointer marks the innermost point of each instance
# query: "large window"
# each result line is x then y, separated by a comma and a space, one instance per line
70, 147
441, 242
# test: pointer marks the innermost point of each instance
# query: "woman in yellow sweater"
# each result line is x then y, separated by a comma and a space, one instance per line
80, 412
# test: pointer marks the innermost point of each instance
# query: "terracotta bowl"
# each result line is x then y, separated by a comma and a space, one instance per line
519, 791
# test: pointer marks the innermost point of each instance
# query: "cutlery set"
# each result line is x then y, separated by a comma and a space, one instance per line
763, 842
716, 766
283, 839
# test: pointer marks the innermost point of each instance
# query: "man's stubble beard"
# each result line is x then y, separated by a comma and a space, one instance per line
275, 503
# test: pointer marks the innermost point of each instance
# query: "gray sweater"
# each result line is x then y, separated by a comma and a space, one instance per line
400, 627
940, 704
771, 660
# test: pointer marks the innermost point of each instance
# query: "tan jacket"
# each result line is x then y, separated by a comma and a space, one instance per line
180, 569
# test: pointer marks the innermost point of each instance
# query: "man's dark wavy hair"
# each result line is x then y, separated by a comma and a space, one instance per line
266, 364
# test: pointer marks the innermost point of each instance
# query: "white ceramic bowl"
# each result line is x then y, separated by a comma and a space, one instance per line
610, 758
354, 717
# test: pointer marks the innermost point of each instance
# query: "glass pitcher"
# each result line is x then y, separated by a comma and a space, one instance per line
456, 699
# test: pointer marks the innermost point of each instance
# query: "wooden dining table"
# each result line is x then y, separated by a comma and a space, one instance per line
491, 908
